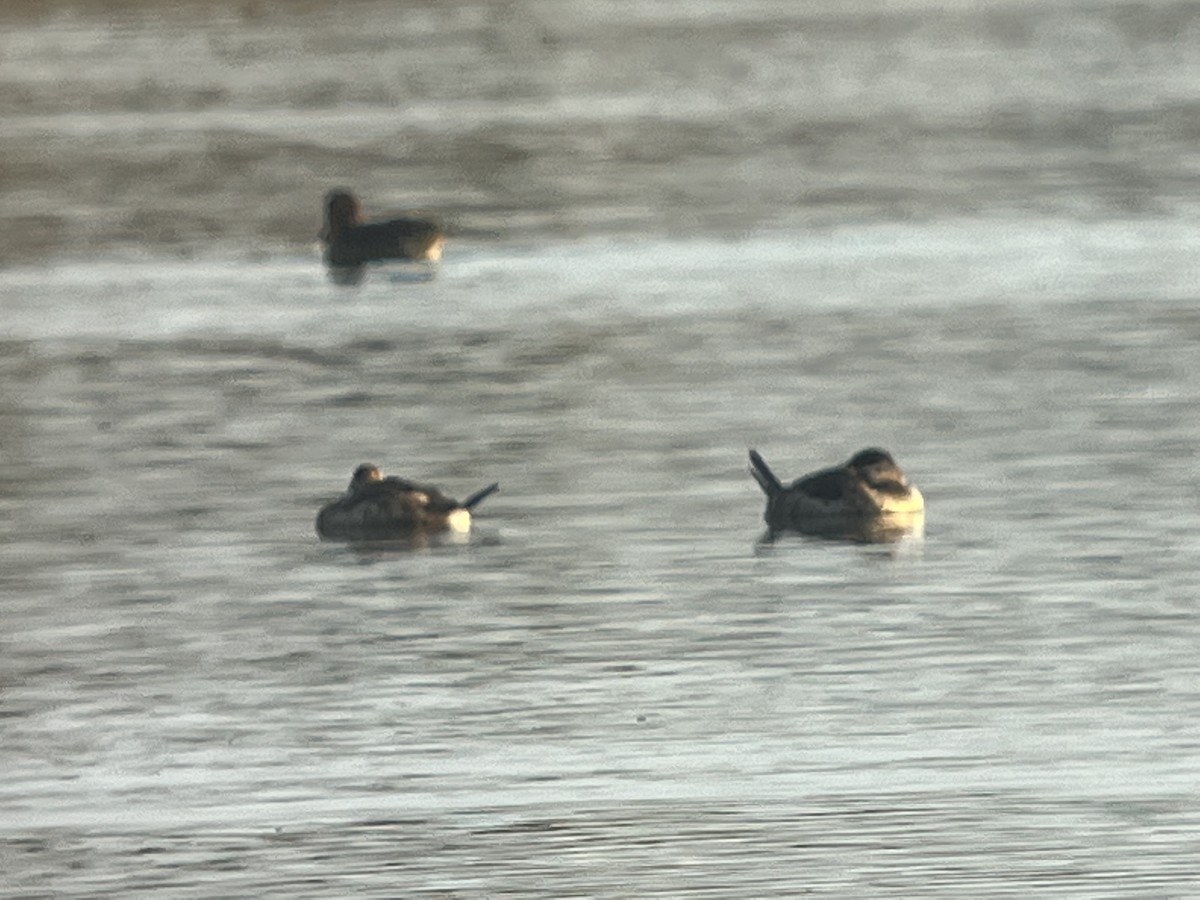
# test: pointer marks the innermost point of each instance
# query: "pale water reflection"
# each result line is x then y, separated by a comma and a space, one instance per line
612, 681
677, 236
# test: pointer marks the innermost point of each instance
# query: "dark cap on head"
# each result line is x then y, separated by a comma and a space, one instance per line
341, 209
871, 456
365, 473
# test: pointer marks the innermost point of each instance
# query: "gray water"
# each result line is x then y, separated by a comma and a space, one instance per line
679, 231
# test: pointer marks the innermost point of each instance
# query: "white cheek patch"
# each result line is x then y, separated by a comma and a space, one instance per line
459, 520
913, 503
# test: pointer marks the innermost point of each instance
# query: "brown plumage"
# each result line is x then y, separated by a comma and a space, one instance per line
864, 497
351, 242
377, 508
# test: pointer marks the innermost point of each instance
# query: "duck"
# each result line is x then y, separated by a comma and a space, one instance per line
866, 498
376, 508
352, 243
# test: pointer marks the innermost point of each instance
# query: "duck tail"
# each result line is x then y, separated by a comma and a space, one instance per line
479, 496
762, 473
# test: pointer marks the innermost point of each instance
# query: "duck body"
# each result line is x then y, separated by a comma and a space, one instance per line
867, 498
351, 242
375, 508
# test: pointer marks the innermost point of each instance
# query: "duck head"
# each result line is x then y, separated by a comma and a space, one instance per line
364, 474
876, 468
342, 210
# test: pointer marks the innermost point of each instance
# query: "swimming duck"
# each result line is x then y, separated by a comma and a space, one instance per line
866, 498
350, 242
376, 508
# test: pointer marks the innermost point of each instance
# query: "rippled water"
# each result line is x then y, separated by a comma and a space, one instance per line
680, 232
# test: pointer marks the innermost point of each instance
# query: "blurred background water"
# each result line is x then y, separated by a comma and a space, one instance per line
965, 232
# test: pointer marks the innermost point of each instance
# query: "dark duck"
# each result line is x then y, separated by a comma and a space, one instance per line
375, 508
352, 243
866, 498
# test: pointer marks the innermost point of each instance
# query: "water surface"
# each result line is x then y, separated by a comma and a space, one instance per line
679, 234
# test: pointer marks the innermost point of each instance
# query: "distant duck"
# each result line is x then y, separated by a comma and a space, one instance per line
375, 508
351, 243
867, 498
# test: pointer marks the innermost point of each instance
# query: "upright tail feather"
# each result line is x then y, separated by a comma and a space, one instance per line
479, 496
764, 476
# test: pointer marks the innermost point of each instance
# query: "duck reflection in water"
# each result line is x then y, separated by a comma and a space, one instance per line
868, 498
350, 243
375, 508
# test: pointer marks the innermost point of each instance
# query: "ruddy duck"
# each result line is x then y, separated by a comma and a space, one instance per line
351, 243
867, 498
375, 508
